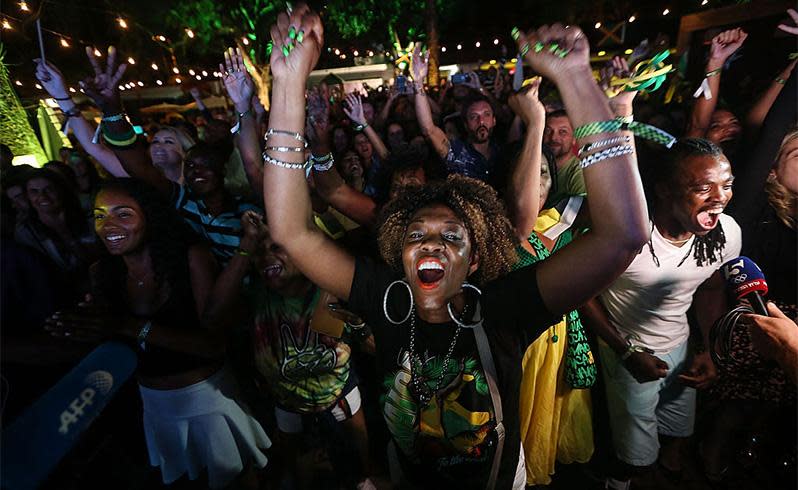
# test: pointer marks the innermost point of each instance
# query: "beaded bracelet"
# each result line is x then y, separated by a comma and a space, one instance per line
712, 73
282, 164
296, 136
611, 152
286, 149
323, 163
602, 143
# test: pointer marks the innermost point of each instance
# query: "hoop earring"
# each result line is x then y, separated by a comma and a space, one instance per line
454, 318
385, 302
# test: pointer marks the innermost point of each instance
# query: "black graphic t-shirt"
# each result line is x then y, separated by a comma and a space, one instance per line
451, 440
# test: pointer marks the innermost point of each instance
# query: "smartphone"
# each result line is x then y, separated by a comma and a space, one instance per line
460, 78
401, 84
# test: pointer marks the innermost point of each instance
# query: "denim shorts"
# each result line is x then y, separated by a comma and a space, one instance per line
639, 412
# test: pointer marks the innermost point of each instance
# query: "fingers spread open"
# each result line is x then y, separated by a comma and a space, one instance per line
93, 60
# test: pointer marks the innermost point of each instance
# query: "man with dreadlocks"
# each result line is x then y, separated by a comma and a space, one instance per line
642, 317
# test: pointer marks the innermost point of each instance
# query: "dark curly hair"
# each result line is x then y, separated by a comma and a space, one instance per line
472, 201
167, 235
707, 249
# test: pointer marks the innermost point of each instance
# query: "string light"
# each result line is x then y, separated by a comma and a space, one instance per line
204, 73
97, 53
356, 53
495, 42
72, 90
477, 44
632, 19
191, 72
19, 84
64, 43
704, 2
38, 86
140, 84
666, 12
154, 66
371, 53
459, 47
122, 88
443, 49
178, 81
337, 52
245, 41
162, 38
175, 70
6, 25
131, 60
23, 6
189, 33
343, 56
198, 77
598, 25
122, 23
158, 82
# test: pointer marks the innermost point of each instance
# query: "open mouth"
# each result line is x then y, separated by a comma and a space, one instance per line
199, 180
430, 272
708, 219
272, 271
115, 238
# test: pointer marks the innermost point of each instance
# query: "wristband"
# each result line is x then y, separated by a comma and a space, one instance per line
714, 72
621, 124
612, 152
633, 348
119, 140
323, 163
780, 81
704, 88
114, 117
142, 336
601, 143
286, 149
361, 127
235, 129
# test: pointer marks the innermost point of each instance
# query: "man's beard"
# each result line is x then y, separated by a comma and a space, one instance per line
475, 136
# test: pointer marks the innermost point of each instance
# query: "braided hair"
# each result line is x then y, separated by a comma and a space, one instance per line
707, 249
473, 202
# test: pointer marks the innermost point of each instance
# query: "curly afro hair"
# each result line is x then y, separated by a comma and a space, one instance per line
472, 201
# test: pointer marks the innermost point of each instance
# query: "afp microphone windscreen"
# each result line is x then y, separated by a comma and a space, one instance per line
36, 441
743, 277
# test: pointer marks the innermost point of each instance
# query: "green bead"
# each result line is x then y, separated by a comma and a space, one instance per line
286, 51
554, 339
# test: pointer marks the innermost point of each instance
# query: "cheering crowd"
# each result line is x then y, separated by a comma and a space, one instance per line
454, 286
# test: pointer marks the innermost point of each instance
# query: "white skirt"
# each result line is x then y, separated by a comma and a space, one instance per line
202, 426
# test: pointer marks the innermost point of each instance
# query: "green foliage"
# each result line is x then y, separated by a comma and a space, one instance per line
16, 131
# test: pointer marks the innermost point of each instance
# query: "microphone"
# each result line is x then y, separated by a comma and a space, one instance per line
36, 441
745, 279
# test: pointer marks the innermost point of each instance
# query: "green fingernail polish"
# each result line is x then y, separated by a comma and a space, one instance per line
553, 47
562, 53
292, 33
525, 49
538, 47
286, 51
515, 33
300, 36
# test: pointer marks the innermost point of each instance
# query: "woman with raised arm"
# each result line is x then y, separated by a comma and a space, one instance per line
450, 397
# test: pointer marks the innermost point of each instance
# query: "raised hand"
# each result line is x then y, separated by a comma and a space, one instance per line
420, 64
527, 104
236, 79
354, 109
51, 79
791, 29
726, 43
617, 67
254, 230
102, 88
297, 41
473, 81
536, 46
